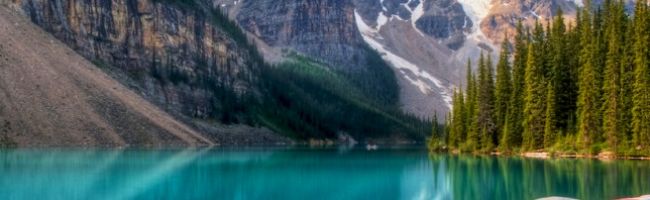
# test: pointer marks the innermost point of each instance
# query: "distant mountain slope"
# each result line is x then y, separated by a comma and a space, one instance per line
51, 96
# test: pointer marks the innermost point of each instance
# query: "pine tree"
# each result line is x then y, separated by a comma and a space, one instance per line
599, 53
458, 122
561, 73
436, 128
514, 123
535, 106
535, 94
611, 87
447, 128
627, 83
470, 109
492, 137
588, 118
550, 131
573, 45
641, 98
485, 103
503, 86
449, 122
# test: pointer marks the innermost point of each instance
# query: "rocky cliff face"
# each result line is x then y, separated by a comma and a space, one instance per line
443, 20
324, 30
174, 54
320, 29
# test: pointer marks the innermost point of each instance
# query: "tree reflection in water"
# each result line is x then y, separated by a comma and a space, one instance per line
486, 177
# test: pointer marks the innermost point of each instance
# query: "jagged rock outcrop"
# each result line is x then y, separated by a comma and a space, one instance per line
323, 30
445, 20
504, 14
171, 50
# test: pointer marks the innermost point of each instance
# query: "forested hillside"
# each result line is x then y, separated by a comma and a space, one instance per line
573, 88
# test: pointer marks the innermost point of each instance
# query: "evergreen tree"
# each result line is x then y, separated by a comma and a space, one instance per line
573, 45
612, 89
470, 109
550, 131
447, 130
627, 82
485, 104
641, 98
458, 120
535, 94
588, 118
561, 73
503, 86
514, 123
534, 107
600, 50
435, 129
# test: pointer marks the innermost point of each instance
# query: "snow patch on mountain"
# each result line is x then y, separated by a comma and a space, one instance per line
381, 20
421, 79
476, 9
532, 12
416, 14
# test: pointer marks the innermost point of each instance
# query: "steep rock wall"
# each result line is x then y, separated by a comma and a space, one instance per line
172, 52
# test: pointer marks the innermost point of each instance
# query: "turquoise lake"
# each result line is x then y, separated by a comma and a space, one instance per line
304, 173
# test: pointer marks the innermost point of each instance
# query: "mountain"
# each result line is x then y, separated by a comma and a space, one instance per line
327, 69
50, 96
191, 61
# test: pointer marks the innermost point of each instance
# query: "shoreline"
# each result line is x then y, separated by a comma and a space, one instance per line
603, 156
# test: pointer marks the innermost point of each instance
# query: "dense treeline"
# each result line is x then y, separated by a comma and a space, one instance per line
582, 88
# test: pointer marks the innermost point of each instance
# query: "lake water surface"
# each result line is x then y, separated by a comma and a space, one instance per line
303, 173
